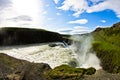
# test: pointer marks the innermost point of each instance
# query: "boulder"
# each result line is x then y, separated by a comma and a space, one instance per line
15, 69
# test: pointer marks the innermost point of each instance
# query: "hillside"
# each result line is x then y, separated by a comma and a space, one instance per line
106, 44
107, 47
19, 36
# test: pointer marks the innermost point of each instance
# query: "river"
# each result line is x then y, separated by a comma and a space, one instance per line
41, 53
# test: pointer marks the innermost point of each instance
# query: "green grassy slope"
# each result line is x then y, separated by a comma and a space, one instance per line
107, 46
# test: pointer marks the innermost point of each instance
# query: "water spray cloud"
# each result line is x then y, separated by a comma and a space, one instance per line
85, 55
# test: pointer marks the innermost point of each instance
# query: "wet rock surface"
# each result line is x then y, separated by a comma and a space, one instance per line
102, 75
16, 69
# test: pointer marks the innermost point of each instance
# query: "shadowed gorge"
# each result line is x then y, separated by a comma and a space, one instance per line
21, 36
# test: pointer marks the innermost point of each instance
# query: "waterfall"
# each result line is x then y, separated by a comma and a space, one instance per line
79, 54
40, 53
86, 57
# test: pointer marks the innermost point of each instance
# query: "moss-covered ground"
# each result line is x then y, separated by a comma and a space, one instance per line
65, 72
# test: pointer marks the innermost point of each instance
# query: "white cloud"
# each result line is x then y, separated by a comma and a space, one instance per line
96, 1
44, 12
108, 4
80, 21
4, 4
50, 19
80, 27
22, 13
80, 30
80, 6
64, 31
100, 7
103, 21
75, 30
118, 15
56, 1
21, 18
58, 13
78, 13
47, 5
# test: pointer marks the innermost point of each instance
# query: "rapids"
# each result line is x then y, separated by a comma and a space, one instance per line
41, 53
79, 54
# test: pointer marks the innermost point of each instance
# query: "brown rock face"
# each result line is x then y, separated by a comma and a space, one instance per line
14, 69
117, 25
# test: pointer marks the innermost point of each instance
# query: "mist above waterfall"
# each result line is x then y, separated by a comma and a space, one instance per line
82, 47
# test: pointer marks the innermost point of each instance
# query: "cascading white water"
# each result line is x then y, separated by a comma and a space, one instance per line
38, 53
86, 57
80, 54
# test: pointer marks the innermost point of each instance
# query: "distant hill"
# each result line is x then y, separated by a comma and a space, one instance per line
107, 47
20, 36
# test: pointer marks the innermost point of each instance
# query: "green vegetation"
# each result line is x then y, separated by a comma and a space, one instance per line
107, 47
67, 72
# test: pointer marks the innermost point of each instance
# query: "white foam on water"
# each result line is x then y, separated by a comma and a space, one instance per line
54, 56
80, 53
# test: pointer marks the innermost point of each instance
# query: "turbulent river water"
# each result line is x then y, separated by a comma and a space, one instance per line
76, 55
41, 53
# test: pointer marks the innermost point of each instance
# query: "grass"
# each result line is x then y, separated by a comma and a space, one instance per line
107, 47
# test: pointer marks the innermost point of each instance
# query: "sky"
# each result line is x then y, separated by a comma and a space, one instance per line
63, 16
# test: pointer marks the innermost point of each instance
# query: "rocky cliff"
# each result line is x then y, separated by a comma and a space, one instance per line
14, 69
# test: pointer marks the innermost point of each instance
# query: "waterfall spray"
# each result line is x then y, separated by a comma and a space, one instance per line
86, 57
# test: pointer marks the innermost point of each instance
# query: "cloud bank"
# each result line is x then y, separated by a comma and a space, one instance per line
21, 13
78, 6
80, 21
103, 21
75, 30
90, 6
4, 3
56, 1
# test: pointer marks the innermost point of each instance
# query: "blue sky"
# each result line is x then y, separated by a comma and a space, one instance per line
63, 16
